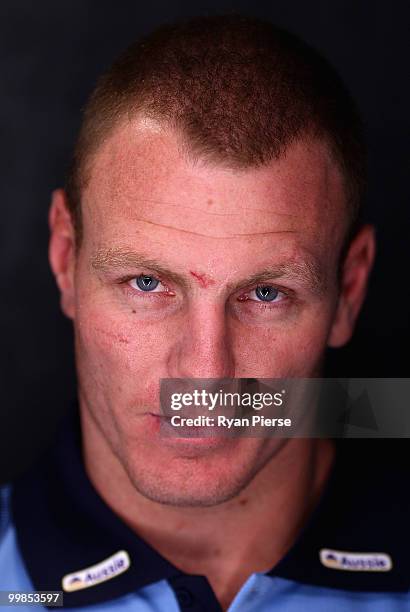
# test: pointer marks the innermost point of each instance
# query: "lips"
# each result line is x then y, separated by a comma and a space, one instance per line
186, 444
182, 431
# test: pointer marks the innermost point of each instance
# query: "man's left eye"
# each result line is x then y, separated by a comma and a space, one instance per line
266, 293
146, 283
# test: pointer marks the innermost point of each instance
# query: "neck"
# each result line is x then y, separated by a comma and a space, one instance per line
267, 515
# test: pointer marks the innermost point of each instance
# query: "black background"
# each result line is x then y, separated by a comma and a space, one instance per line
51, 53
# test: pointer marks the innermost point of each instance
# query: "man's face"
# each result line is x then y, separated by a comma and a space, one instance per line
210, 240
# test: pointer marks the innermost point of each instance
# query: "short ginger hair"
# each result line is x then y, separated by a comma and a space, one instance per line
238, 89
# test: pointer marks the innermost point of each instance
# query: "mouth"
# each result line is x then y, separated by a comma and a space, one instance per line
185, 437
191, 430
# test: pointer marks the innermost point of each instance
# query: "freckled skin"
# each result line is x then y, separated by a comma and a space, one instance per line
144, 195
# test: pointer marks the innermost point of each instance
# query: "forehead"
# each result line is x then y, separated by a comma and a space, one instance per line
142, 181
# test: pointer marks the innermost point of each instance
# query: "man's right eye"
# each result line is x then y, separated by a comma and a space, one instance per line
146, 283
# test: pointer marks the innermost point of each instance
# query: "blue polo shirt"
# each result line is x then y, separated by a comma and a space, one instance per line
353, 553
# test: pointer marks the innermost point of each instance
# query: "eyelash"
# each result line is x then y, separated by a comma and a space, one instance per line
261, 305
125, 282
266, 305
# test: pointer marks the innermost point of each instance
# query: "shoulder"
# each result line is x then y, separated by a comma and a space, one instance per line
13, 575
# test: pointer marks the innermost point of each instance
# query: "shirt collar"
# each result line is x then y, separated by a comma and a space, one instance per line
363, 512
63, 525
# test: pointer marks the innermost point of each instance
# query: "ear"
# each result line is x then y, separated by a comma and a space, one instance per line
61, 252
353, 285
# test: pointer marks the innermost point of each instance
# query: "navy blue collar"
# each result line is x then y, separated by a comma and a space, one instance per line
63, 525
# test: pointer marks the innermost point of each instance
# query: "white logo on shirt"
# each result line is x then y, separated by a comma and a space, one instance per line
355, 562
90, 576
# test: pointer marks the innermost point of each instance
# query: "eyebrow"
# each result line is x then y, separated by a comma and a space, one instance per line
306, 271
112, 259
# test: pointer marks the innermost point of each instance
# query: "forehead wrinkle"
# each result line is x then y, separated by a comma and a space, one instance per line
213, 213
225, 237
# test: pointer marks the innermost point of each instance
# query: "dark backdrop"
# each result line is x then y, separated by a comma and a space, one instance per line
50, 55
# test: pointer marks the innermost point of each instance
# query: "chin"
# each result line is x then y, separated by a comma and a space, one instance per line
200, 477
180, 492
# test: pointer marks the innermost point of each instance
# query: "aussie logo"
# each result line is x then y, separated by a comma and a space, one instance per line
355, 562
90, 576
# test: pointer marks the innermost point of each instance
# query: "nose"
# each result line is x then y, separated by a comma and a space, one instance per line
203, 347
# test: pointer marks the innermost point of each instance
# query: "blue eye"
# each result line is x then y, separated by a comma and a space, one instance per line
266, 294
147, 283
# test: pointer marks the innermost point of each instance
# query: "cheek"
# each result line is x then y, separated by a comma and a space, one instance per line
116, 349
283, 350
